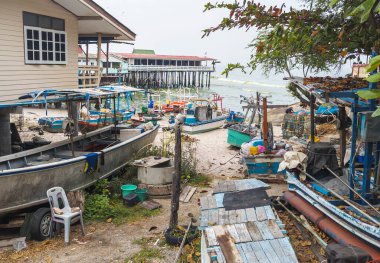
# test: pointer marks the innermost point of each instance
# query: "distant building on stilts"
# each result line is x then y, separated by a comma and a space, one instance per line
146, 69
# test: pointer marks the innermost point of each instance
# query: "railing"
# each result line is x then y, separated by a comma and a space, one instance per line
168, 68
89, 76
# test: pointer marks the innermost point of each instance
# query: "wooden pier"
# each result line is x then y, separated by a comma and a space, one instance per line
167, 71
250, 234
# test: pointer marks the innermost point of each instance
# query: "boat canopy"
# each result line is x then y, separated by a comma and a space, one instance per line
50, 95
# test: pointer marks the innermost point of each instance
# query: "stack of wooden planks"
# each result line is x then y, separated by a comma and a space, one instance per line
252, 234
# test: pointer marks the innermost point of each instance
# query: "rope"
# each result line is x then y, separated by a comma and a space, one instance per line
222, 163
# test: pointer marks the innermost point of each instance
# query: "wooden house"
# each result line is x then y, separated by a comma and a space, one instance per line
38, 48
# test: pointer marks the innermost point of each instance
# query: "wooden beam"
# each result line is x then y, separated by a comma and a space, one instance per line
90, 18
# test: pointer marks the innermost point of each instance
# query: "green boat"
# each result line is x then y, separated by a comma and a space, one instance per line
237, 138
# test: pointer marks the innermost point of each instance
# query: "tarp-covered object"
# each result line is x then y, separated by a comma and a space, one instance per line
337, 253
319, 155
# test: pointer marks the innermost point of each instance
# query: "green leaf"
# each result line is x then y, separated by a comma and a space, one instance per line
333, 2
376, 113
374, 78
364, 9
377, 8
369, 94
374, 63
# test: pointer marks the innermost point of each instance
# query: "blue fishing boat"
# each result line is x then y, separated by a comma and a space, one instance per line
205, 118
51, 124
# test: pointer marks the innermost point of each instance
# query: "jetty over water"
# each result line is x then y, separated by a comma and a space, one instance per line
145, 68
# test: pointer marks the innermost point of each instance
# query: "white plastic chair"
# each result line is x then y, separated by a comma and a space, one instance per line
57, 197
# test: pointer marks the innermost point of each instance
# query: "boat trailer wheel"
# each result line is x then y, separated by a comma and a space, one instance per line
40, 223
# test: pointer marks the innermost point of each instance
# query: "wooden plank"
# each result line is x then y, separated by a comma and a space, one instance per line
274, 229
242, 253
222, 187
241, 216
243, 233
288, 249
220, 255
204, 218
249, 253
230, 252
259, 253
204, 203
231, 187
190, 194
232, 216
251, 214
261, 214
213, 218
254, 183
253, 231
264, 230
218, 187
184, 193
219, 199
222, 216
269, 212
211, 202
277, 248
233, 233
211, 237
269, 252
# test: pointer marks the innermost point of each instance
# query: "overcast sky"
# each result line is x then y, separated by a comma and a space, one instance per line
174, 27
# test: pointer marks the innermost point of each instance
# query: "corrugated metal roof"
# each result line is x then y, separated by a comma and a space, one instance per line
167, 57
143, 51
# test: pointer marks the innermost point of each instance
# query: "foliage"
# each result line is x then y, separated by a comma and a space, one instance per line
313, 38
145, 254
101, 205
369, 12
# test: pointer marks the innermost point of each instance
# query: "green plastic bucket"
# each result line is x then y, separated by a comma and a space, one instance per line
142, 194
128, 189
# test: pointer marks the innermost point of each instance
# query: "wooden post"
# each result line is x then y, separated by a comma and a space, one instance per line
312, 119
258, 105
86, 53
265, 123
107, 57
176, 186
73, 114
342, 133
99, 49
114, 116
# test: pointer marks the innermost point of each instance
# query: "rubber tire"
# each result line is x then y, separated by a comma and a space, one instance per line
35, 224
176, 241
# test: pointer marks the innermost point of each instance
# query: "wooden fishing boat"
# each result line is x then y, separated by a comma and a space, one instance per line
206, 117
98, 120
239, 134
51, 124
357, 224
204, 126
73, 165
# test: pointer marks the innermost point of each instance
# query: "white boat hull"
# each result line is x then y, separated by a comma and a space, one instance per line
204, 127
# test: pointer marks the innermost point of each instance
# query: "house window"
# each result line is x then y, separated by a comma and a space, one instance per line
45, 39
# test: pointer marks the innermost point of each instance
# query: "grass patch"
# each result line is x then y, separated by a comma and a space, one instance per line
144, 241
101, 207
199, 180
145, 254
